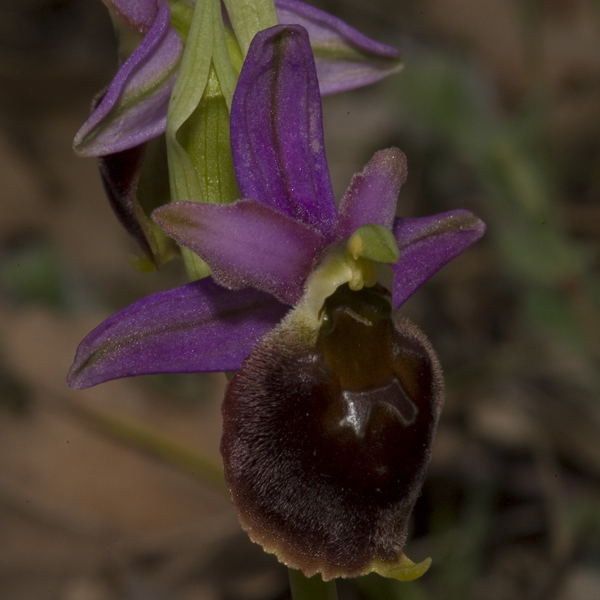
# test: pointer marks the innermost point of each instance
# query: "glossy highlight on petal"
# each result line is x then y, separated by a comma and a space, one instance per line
196, 328
325, 446
279, 153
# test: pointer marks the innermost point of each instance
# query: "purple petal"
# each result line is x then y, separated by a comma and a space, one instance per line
277, 129
427, 244
120, 174
246, 244
345, 58
373, 194
138, 15
134, 108
198, 327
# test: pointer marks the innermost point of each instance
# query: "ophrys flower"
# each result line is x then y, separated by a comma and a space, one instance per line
329, 422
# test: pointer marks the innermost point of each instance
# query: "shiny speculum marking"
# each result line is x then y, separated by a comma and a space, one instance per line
359, 406
357, 343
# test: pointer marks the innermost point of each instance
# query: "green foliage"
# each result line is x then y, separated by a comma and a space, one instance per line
448, 105
32, 273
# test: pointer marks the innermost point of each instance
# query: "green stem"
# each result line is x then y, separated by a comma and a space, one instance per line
313, 588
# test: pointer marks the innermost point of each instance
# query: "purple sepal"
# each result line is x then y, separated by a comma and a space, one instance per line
246, 244
134, 108
279, 154
345, 58
120, 174
138, 15
373, 194
426, 244
195, 328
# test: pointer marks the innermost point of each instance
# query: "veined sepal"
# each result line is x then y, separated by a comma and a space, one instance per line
133, 108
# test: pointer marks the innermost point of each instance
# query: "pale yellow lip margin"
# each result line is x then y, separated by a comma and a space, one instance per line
358, 261
403, 570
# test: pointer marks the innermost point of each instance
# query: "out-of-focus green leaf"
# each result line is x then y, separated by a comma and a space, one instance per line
32, 272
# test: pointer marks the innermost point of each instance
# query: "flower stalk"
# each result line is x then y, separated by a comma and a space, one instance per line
311, 588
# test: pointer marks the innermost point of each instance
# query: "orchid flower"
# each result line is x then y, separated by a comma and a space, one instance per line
134, 108
329, 420
127, 122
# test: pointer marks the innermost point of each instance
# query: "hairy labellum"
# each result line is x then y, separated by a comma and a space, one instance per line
325, 444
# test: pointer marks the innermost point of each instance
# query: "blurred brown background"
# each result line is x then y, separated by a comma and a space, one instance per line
102, 493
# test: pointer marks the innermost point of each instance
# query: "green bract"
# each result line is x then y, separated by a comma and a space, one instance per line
198, 148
